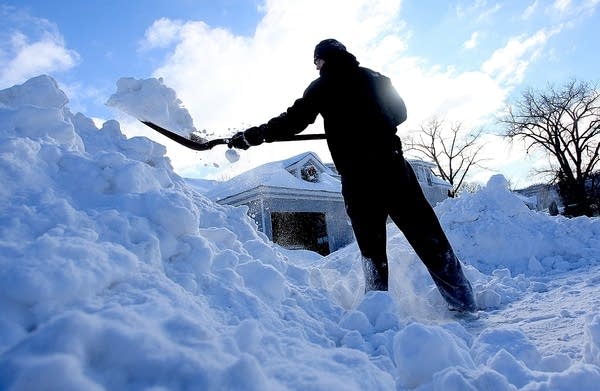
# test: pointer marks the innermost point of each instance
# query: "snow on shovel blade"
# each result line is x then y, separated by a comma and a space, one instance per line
186, 142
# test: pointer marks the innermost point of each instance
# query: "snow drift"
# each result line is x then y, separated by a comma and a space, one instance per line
115, 274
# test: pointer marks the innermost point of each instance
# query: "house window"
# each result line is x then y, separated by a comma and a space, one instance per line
300, 230
310, 173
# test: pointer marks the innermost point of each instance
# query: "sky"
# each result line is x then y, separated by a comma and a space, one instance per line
117, 274
235, 64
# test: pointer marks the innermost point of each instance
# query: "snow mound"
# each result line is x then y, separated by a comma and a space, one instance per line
493, 229
37, 109
115, 274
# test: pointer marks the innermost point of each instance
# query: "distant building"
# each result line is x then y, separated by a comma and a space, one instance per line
435, 188
542, 197
297, 202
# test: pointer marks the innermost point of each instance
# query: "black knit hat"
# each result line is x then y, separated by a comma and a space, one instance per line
328, 48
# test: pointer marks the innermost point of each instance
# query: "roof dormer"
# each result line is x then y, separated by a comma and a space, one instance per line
307, 167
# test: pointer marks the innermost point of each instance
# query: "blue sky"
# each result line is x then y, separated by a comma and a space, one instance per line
105, 36
238, 63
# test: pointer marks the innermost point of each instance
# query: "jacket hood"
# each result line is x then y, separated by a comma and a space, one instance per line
338, 62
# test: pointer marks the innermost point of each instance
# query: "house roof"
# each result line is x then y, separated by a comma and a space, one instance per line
283, 174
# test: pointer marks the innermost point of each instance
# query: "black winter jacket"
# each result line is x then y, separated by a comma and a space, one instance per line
360, 110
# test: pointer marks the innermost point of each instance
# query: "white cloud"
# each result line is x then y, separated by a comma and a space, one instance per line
508, 64
570, 12
478, 11
472, 42
530, 11
161, 34
562, 6
27, 54
567, 10
229, 82
488, 13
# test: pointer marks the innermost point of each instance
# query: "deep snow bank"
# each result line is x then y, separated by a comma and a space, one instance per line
493, 229
116, 275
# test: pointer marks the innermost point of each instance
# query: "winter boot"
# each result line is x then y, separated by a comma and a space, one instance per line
376, 275
459, 297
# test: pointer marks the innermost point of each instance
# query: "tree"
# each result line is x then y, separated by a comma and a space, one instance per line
565, 123
470, 187
453, 152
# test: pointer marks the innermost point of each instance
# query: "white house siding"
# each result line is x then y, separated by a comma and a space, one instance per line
434, 188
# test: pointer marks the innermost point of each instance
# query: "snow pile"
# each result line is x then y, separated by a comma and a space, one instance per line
494, 229
151, 100
114, 274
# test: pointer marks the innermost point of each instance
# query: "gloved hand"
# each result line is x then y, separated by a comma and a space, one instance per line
238, 141
250, 137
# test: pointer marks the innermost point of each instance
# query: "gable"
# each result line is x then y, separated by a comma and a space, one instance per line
307, 167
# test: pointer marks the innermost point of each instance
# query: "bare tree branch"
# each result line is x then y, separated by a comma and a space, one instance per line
452, 151
565, 123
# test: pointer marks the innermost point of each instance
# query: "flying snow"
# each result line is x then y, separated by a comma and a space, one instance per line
151, 100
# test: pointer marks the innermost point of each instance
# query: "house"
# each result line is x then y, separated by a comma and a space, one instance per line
435, 188
542, 197
297, 202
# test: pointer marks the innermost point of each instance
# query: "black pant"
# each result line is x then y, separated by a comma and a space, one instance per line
370, 199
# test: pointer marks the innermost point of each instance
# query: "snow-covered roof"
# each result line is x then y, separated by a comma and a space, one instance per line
283, 174
418, 162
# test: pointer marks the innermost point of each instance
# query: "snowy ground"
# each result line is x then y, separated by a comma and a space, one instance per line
116, 274
554, 319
